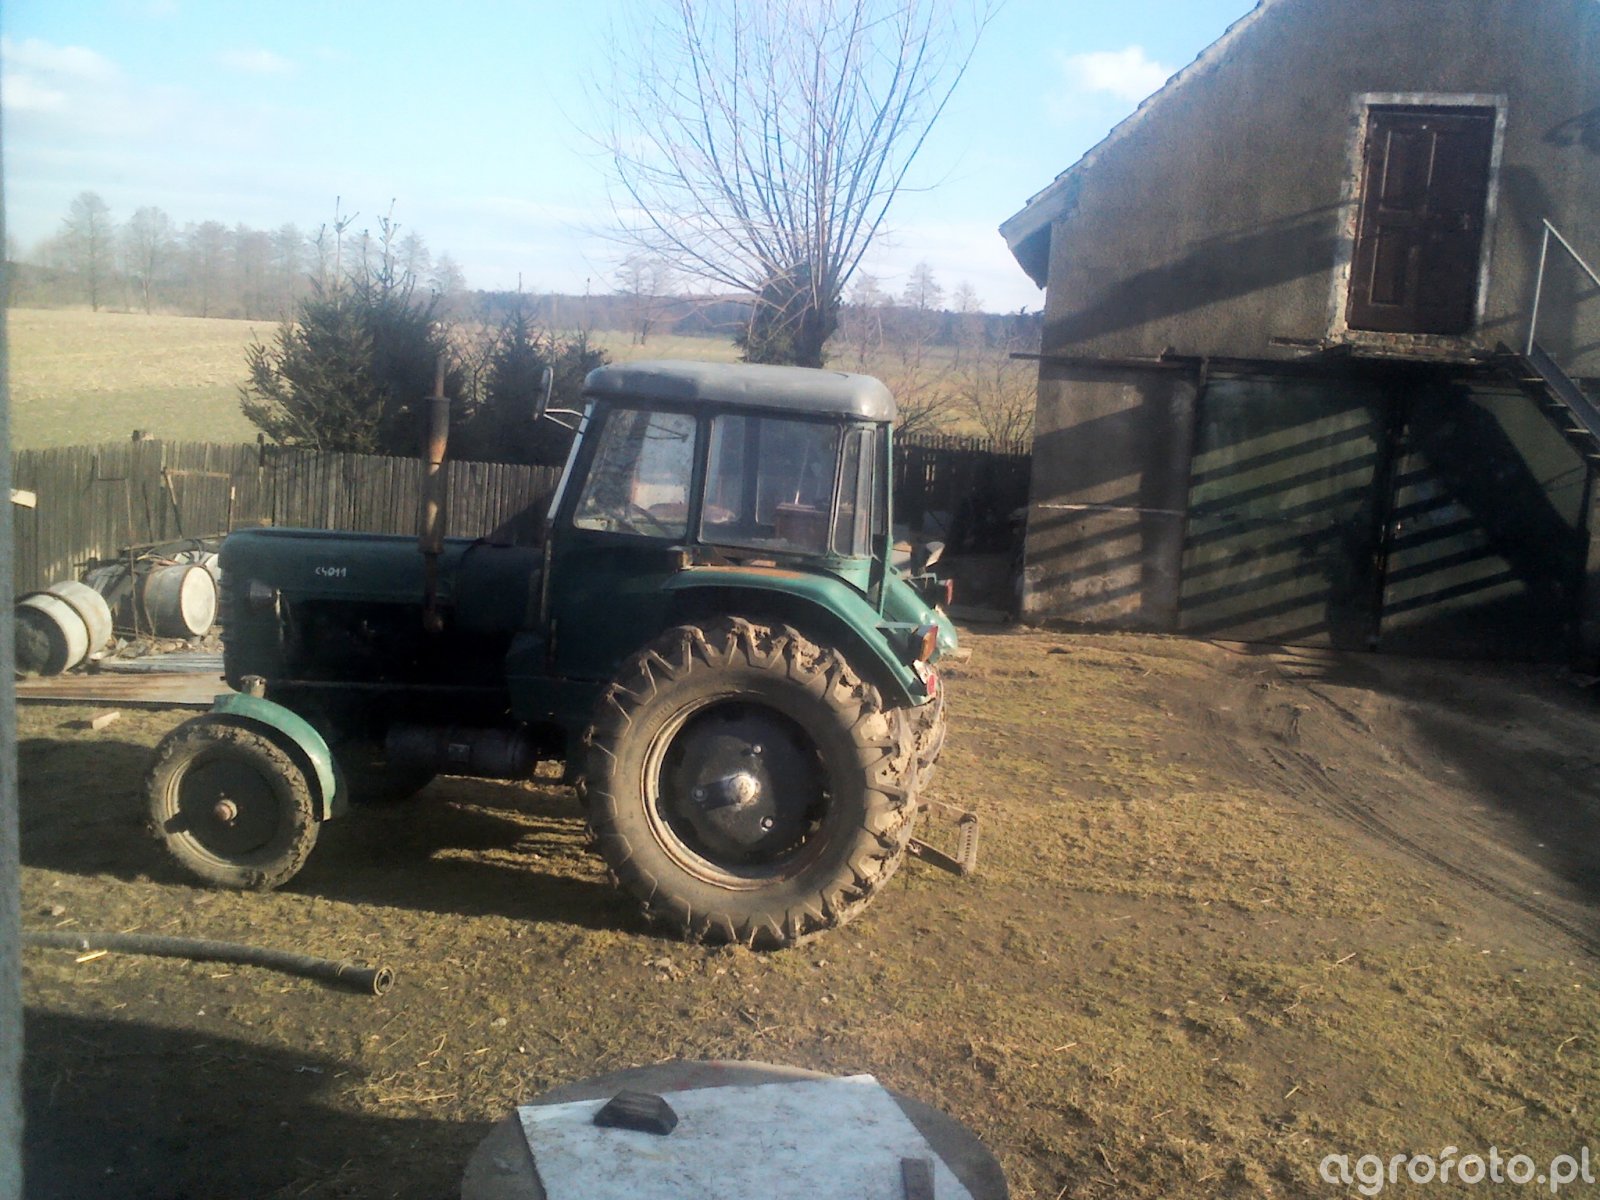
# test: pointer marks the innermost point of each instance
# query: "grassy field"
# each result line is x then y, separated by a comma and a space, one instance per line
80, 377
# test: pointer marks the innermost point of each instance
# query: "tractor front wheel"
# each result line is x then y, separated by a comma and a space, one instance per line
230, 805
746, 785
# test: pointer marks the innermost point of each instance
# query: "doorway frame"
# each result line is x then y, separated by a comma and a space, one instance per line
1350, 196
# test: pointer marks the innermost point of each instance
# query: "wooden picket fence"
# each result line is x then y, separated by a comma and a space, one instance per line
98, 502
967, 491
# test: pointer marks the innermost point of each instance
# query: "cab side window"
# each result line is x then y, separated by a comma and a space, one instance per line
769, 483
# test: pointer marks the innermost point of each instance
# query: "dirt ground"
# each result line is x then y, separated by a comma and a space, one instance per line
1238, 910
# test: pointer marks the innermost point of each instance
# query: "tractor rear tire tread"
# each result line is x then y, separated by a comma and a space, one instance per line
928, 729
686, 663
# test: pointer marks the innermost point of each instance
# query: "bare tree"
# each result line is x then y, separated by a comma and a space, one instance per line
414, 258
970, 325
757, 145
646, 282
447, 281
923, 292
148, 244
87, 239
288, 267
998, 391
252, 266
861, 321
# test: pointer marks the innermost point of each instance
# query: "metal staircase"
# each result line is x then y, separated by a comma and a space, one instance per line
1574, 410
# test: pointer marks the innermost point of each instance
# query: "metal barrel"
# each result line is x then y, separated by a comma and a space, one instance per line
203, 558
91, 606
180, 600
51, 636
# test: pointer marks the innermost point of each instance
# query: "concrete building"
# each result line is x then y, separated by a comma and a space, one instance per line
1285, 393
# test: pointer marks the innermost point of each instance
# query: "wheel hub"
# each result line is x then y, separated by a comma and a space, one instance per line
739, 790
228, 807
739, 784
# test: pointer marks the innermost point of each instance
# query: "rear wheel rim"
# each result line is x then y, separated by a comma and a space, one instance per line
737, 793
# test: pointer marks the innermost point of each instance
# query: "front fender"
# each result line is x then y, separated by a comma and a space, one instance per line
902, 603
826, 601
299, 737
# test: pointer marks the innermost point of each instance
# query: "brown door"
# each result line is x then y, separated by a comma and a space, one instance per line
1424, 188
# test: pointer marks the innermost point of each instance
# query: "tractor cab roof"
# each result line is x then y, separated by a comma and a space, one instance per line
744, 385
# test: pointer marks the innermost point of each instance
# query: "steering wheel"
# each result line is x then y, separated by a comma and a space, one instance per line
640, 512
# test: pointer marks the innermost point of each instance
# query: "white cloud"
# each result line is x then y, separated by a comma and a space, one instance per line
1128, 74
61, 90
256, 61
67, 103
33, 57
25, 94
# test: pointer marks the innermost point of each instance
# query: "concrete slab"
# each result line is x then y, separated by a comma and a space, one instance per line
502, 1166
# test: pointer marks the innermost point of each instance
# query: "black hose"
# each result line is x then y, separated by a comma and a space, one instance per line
372, 981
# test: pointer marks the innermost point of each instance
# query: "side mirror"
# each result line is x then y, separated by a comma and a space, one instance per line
541, 404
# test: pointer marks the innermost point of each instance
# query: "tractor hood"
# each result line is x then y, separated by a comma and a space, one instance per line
373, 567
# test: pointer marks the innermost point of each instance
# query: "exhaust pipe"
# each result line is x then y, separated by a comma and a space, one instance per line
430, 531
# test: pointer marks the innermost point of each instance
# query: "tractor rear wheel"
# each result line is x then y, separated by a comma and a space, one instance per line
746, 785
927, 730
230, 805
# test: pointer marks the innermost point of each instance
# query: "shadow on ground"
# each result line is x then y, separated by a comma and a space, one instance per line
130, 1109
1516, 740
463, 847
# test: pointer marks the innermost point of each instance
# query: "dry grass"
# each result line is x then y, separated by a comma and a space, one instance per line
1178, 974
81, 377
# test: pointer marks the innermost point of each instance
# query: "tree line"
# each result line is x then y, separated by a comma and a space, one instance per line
212, 269
365, 315
148, 263
350, 369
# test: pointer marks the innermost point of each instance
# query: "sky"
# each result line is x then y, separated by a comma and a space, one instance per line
474, 120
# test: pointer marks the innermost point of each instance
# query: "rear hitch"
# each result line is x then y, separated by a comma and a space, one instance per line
965, 859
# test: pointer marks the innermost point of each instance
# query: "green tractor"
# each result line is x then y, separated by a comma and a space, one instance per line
710, 633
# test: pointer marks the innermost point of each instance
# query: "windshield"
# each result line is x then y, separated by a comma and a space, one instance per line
639, 479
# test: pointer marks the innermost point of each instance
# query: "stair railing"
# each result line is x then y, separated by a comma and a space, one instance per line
1550, 231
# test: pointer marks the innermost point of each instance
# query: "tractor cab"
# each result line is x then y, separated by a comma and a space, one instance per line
737, 464
690, 476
